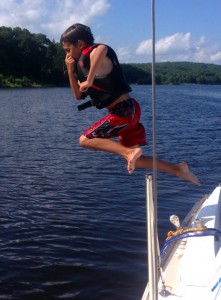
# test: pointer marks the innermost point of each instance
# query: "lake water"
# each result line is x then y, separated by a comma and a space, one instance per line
72, 221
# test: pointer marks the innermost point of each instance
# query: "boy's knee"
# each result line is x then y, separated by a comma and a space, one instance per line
83, 141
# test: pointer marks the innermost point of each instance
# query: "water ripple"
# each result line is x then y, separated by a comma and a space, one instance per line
73, 222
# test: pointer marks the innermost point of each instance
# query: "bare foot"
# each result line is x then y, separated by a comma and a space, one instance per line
133, 156
186, 174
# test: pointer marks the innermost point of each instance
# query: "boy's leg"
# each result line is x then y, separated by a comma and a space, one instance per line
129, 154
177, 169
135, 159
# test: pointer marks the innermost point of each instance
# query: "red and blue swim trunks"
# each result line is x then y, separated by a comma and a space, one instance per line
123, 121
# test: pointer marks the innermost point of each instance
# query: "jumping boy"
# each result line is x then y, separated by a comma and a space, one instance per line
94, 71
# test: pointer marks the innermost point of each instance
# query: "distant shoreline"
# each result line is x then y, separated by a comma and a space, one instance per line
175, 73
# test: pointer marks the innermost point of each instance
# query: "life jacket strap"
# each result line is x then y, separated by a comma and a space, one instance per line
85, 105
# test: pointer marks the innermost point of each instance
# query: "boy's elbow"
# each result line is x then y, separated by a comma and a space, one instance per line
77, 95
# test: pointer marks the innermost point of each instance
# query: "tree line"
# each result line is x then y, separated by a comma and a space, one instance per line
29, 59
182, 73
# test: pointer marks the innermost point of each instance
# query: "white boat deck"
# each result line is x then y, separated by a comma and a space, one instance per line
192, 270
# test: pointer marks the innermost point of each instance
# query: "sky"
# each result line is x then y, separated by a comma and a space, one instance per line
185, 30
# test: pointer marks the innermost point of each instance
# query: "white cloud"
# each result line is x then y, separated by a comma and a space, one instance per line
181, 47
123, 54
68, 12
145, 47
175, 43
21, 13
216, 57
50, 17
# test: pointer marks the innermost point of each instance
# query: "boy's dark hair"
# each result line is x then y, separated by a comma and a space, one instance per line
77, 32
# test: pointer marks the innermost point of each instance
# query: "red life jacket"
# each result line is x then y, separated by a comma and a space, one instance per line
106, 89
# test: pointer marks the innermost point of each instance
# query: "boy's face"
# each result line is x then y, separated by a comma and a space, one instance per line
73, 50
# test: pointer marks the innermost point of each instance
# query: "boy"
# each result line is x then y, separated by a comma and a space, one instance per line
94, 71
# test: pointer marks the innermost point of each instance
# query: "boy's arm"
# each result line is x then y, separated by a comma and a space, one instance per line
96, 59
73, 82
